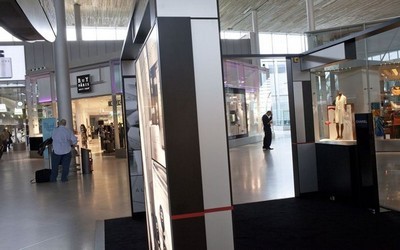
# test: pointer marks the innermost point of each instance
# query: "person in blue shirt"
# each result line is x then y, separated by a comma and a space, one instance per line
63, 140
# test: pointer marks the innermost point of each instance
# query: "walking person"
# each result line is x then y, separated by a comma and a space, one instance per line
267, 121
63, 140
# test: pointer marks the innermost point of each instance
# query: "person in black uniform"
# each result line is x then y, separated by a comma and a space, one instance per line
267, 121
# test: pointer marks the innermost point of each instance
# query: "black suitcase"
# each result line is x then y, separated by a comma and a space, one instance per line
42, 175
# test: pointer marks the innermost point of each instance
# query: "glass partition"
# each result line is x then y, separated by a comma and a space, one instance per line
243, 83
370, 83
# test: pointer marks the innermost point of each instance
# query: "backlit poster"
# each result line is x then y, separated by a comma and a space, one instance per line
48, 125
133, 144
153, 148
12, 63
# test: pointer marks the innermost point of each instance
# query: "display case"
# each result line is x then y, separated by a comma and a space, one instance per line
237, 112
326, 86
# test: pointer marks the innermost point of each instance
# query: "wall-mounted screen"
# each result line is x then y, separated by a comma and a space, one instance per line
12, 63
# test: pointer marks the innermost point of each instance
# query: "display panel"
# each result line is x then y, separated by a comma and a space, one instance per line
237, 113
153, 148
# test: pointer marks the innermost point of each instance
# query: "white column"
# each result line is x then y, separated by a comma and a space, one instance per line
254, 21
62, 66
310, 15
78, 21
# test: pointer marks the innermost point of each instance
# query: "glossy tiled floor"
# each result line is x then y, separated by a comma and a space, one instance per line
69, 215
258, 175
388, 166
58, 215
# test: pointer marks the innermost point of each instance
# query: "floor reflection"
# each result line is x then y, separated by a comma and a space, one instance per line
258, 175
388, 167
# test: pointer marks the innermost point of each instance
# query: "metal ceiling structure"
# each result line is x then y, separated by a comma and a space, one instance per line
290, 16
272, 15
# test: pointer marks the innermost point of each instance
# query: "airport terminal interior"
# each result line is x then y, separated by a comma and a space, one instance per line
102, 180
71, 215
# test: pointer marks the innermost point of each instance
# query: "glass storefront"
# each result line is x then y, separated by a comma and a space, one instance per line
250, 91
276, 91
103, 104
13, 113
243, 82
370, 84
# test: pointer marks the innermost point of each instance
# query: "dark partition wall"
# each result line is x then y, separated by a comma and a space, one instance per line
367, 171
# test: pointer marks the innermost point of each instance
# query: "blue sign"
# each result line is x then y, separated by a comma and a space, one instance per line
48, 125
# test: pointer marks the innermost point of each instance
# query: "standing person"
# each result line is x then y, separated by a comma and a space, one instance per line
340, 109
267, 121
9, 139
4, 140
84, 137
63, 140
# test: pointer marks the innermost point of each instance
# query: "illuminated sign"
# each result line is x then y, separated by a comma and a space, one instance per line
18, 111
3, 107
83, 84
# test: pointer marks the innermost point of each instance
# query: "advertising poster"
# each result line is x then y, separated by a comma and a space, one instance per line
48, 125
134, 148
11, 57
153, 148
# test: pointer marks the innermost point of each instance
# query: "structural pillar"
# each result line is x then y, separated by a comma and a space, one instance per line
254, 21
310, 15
78, 21
254, 39
63, 84
183, 128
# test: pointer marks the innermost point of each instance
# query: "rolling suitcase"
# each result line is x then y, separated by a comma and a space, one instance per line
42, 175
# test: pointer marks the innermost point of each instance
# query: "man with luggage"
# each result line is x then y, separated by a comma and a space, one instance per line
63, 141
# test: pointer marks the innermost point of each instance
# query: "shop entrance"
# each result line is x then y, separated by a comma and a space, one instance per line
97, 126
251, 91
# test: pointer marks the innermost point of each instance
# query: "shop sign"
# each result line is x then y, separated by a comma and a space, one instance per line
83, 84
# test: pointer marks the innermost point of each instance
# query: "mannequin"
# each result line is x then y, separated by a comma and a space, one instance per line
340, 103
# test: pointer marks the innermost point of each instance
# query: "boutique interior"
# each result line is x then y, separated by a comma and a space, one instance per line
96, 113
